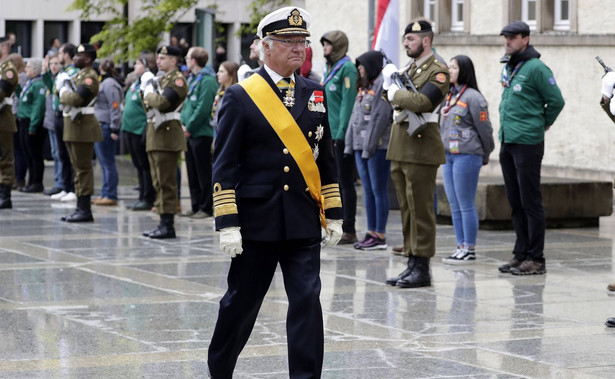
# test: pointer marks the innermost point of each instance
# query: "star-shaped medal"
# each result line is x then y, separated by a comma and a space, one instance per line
289, 98
316, 152
320, 130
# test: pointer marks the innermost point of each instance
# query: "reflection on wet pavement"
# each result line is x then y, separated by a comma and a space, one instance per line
100, 300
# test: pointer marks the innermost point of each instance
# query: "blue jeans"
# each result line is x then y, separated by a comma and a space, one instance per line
374, 174
105, 152
57, 163
460, 181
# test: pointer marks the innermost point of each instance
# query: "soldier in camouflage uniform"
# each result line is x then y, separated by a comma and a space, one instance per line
163, 97
81, 128
8, 127
415, 158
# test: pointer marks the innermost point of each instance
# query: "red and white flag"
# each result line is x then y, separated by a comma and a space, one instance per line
386, 34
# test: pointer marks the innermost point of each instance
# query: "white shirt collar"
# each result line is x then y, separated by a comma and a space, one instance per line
275, 77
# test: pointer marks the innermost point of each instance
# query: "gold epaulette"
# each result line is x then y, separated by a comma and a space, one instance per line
331, 194
224, 201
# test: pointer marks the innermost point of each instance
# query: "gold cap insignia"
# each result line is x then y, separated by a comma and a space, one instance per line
295, 18
163, 50
81, 49
416, 27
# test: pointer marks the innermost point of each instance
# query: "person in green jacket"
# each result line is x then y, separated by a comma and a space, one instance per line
196, 123
30, 115
340, 82
531, 101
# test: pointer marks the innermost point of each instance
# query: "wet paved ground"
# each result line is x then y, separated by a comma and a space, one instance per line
99, 300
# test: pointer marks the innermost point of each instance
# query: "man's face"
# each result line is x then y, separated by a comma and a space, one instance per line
286, 56
255, 49
327, 48
81, 60
515, 44
413, 43
165, 62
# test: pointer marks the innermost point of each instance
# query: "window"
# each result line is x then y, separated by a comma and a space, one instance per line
561, 19
457, 16
429, 9
529, 13
54, 29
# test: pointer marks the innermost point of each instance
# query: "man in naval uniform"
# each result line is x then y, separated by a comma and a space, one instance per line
81, 128
8, 82
275, 188
415, 158
165, 139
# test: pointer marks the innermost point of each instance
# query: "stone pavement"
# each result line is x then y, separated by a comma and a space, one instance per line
98, 300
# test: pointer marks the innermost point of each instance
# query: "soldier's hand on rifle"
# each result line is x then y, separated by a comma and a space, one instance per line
146, 77
62, 80
391, 92
608, 81
387, 74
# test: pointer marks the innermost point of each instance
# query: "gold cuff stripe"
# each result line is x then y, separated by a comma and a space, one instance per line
333, 202
225, 197
225, 192
225, 209
331, 193
329, 186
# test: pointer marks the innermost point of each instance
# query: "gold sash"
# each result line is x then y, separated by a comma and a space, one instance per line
289, 132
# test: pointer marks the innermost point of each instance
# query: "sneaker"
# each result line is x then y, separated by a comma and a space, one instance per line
200, 215
506, 267
367, 237
529, 267
374, 243
69, 197
59, 195
348, 239
461, 257
399, 250
104, 201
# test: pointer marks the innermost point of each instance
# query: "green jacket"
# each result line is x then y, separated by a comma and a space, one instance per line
196, 113
530, 103
134, 119
341, 91
32, 103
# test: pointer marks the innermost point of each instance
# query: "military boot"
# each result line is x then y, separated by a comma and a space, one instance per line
165, 229
83, 213
406, 272
5, 197
419, 277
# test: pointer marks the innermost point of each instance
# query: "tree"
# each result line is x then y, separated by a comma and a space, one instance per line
259, 9
125, 41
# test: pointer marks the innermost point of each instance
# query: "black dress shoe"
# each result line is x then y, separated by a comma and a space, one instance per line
32, 188
610, 322
141, 206
79, 216
162, 232
52, 191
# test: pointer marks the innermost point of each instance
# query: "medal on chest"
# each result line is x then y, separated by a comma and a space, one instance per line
289, 98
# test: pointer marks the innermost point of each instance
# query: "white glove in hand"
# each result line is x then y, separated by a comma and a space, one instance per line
63, 90
334, 233
391, 93
608, 81
61, 79
387, 73
242, 71
230, 241
146, 77
149, 88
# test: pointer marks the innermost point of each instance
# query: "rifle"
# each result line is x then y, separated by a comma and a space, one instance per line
605, 67
403, 81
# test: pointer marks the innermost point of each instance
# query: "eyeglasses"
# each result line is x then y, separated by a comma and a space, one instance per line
293, 42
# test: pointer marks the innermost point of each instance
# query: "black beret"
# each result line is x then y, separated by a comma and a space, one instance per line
169, 50
418, 27
514, 28
86, 48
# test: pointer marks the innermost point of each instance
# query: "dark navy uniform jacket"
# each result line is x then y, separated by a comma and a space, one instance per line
257, 184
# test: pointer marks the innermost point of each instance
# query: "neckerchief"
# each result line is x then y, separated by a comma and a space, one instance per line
335, 69
505, 80
29, 83
449, 104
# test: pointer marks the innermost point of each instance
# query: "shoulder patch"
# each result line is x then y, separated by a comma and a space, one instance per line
88, 81
441, 78
179, 82
552, 81
347, 82
115, 105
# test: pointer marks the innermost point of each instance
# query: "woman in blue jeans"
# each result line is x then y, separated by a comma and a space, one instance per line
467, 136
109, 114
367, 137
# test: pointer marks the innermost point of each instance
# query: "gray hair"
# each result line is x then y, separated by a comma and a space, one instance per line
37, 65
261, 49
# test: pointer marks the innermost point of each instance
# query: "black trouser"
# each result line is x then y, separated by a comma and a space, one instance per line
68, 181
136, 148
248, 280
33, 149
198, 165
21, 163
521, 166
346, 175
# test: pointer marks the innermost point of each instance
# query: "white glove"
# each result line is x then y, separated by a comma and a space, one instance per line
62, 78
612, 107
242, 71
149, 88
146, 77
334, 233
608, 81
63, 90
391, 93
387, 73
230, 241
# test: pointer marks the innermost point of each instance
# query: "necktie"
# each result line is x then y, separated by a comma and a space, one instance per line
285, 83
287, 87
